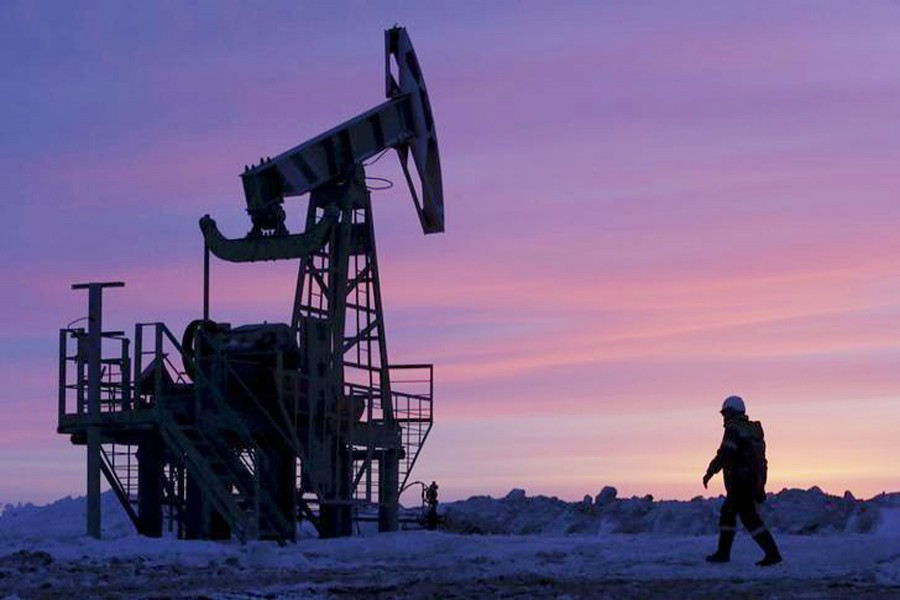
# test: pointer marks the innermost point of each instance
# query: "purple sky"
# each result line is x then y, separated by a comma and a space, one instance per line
650, 205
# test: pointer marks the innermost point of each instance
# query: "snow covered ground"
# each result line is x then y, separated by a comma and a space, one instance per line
539, 547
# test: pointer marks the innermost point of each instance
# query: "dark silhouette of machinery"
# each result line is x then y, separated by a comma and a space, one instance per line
242, 430
430, 496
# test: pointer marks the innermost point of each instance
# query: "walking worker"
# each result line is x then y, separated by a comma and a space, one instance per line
742, 459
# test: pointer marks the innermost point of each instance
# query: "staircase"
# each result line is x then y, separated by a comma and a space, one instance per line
119, 465
227, 472
228, 483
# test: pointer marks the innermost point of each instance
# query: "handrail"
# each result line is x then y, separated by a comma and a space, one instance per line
115, 382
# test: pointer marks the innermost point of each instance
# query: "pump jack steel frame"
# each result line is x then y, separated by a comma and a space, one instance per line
229, 452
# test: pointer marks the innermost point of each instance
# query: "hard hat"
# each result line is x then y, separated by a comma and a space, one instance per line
734, 404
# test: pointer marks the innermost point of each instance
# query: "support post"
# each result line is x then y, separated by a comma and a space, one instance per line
94, 376
388, 487
389, 467
197, 521
63, 341
205, 280
278, 476
151, 460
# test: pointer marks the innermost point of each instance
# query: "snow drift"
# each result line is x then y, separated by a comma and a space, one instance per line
789, 511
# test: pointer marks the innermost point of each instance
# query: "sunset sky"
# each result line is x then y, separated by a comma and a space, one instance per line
649, 206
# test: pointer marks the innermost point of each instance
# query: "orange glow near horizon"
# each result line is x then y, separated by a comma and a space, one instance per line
638, 453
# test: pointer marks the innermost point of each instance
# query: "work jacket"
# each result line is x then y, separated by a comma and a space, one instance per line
741, 457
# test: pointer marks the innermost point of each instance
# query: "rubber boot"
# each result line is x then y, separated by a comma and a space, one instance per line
723, 552
767, 543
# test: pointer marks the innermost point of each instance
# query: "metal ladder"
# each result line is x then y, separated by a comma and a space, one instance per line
120, 467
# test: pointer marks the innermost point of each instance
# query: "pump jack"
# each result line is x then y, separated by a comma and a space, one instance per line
268, 422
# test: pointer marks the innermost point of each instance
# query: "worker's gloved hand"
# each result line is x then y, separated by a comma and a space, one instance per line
706, 479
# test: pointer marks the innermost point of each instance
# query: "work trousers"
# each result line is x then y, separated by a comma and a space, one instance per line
741, 504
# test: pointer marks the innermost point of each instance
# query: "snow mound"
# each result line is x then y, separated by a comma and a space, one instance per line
789, 511
64, 519
793, 511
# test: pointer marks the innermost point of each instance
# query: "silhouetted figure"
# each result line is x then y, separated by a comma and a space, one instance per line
742, 459
431, 500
